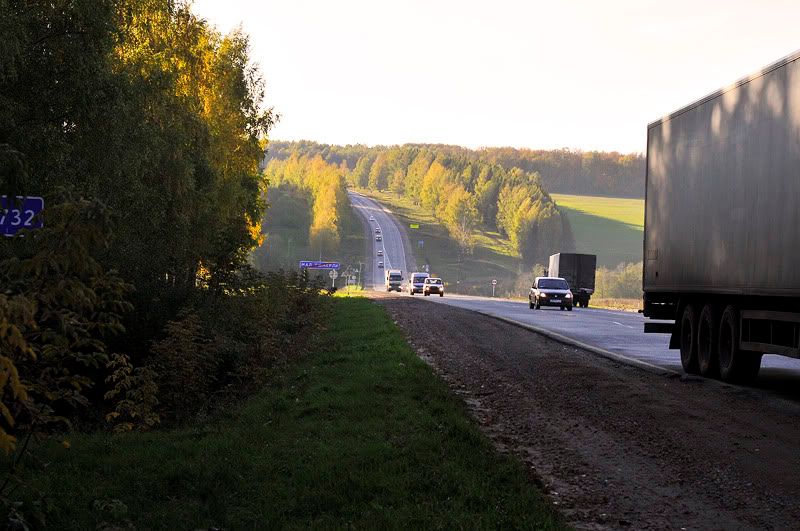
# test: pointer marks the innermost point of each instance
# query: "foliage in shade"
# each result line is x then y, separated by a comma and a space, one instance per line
317, 193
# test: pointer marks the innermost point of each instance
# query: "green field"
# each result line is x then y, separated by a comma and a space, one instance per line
492, 258
360, 435
610, 227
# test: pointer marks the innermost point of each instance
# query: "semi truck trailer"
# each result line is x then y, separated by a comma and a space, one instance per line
579, 272
722, 225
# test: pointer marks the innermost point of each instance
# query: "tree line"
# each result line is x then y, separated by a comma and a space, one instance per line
143, 128
463, 193
308, 201
560, 170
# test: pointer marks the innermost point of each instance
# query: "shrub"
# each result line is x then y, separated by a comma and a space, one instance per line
622, 282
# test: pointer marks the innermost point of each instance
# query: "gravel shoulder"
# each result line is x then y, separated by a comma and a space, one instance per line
613, 445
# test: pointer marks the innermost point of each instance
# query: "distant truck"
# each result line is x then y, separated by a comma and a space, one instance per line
722, 225
579, 271
394, 280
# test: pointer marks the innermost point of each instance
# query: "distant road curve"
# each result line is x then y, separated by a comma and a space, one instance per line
394, 244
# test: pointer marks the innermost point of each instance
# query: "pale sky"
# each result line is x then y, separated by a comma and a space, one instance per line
581, 74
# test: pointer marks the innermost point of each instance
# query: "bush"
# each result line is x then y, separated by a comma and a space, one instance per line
227, 343
622, 282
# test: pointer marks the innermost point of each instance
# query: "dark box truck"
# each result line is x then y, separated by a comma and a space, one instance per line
578, 270
722, 225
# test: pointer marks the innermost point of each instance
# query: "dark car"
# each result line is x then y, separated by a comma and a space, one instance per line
550, 291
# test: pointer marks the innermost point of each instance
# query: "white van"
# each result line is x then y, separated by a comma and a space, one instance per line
417, 282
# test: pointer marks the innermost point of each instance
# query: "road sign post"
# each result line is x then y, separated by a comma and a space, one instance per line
333, 274
494, 283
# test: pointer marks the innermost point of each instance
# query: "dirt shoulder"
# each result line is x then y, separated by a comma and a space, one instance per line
615, 446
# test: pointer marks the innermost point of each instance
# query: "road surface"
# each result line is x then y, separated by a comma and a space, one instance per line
618, 332
392, 245
613, 446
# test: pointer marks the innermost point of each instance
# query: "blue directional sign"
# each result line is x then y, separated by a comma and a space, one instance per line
314, 264
20, 214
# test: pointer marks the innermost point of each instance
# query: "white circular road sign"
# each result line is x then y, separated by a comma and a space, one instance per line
333, 273
494, 282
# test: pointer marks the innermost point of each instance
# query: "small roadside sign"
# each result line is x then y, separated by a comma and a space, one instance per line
494, 282
333, 273
315, 264
414, 225
20, 214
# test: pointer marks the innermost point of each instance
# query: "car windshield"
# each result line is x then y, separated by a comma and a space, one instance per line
553, 283
434, 281
419, 280
395, 277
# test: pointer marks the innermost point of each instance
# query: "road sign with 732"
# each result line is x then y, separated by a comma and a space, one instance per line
22, 213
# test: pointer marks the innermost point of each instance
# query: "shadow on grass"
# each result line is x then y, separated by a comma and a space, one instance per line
612, 241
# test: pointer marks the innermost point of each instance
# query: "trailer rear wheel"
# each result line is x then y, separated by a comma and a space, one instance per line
689, 339
735, 365
707, 338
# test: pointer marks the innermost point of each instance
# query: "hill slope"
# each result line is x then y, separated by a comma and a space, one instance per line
610, 227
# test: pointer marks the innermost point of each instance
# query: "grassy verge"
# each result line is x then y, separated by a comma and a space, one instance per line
361, 434
610, 227
493, 257
628, 305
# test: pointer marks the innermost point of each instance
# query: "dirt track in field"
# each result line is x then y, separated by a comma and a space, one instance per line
615, 446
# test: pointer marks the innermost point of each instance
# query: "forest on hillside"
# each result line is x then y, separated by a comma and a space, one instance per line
560, 171
462, 193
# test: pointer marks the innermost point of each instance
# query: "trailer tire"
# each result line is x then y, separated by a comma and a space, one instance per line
707, 339
688, 339
735, 365
530, 304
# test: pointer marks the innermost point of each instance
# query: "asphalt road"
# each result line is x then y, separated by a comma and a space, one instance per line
615, 331
392, 244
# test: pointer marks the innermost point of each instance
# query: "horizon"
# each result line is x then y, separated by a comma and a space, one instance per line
442, 144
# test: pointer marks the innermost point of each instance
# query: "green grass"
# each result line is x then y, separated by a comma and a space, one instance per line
610, 227
493, 256
361, 434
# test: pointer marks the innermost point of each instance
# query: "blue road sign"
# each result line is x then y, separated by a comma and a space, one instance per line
314, 264
20, 214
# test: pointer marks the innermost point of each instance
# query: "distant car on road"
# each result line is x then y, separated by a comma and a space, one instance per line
377, 230
433, 285
378, 238
380, 252
550, 291
417, 282
372, 218
380, 265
